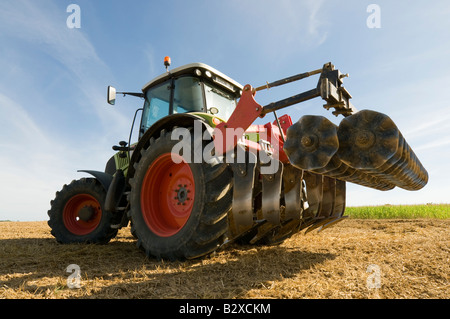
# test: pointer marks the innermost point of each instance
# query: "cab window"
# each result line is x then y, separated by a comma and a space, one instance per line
157, 104
224, 102
188, 95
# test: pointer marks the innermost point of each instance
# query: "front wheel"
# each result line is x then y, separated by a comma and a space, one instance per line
178, 208
77, 214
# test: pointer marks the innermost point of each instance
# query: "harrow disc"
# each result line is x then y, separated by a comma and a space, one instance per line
311, 142
367, 139
370, 141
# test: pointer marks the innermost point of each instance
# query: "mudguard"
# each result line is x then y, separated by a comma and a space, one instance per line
168, 123
115, 191
104, 178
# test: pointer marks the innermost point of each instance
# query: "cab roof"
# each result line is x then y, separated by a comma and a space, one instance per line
201, 70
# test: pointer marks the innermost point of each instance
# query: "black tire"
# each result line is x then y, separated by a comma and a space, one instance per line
204, 230
77, 214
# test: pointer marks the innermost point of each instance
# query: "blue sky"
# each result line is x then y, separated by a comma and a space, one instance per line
54, 118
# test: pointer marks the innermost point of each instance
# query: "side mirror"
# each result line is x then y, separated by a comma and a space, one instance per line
111, 97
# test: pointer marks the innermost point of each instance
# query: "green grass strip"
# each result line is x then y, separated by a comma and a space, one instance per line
439, 211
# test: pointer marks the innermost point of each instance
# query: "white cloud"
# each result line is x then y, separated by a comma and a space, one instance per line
434, 144
44, 23
316, 22
35, 163
44, 26
285, 25
32, 164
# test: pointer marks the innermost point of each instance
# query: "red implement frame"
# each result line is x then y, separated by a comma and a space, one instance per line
329, 87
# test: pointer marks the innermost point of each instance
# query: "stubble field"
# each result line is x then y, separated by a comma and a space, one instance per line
357, 258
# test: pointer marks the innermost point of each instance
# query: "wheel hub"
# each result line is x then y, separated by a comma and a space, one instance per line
82, 214
182, 194
86, 213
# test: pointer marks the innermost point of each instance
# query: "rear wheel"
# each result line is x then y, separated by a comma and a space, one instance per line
77, 214
178, 209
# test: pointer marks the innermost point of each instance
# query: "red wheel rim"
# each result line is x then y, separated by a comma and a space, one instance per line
167, 195
82, 214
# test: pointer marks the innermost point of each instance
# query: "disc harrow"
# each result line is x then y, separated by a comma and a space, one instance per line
371, 142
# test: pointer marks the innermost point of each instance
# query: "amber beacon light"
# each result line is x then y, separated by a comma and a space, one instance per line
167, 63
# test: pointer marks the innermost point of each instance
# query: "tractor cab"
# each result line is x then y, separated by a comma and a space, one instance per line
195, 87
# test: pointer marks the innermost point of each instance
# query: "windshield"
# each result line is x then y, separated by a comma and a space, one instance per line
187, 96
184, 95
220, 99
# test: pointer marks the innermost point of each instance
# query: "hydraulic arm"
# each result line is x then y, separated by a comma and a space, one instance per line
329, 87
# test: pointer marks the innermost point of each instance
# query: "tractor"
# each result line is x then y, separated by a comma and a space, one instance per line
203, 175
